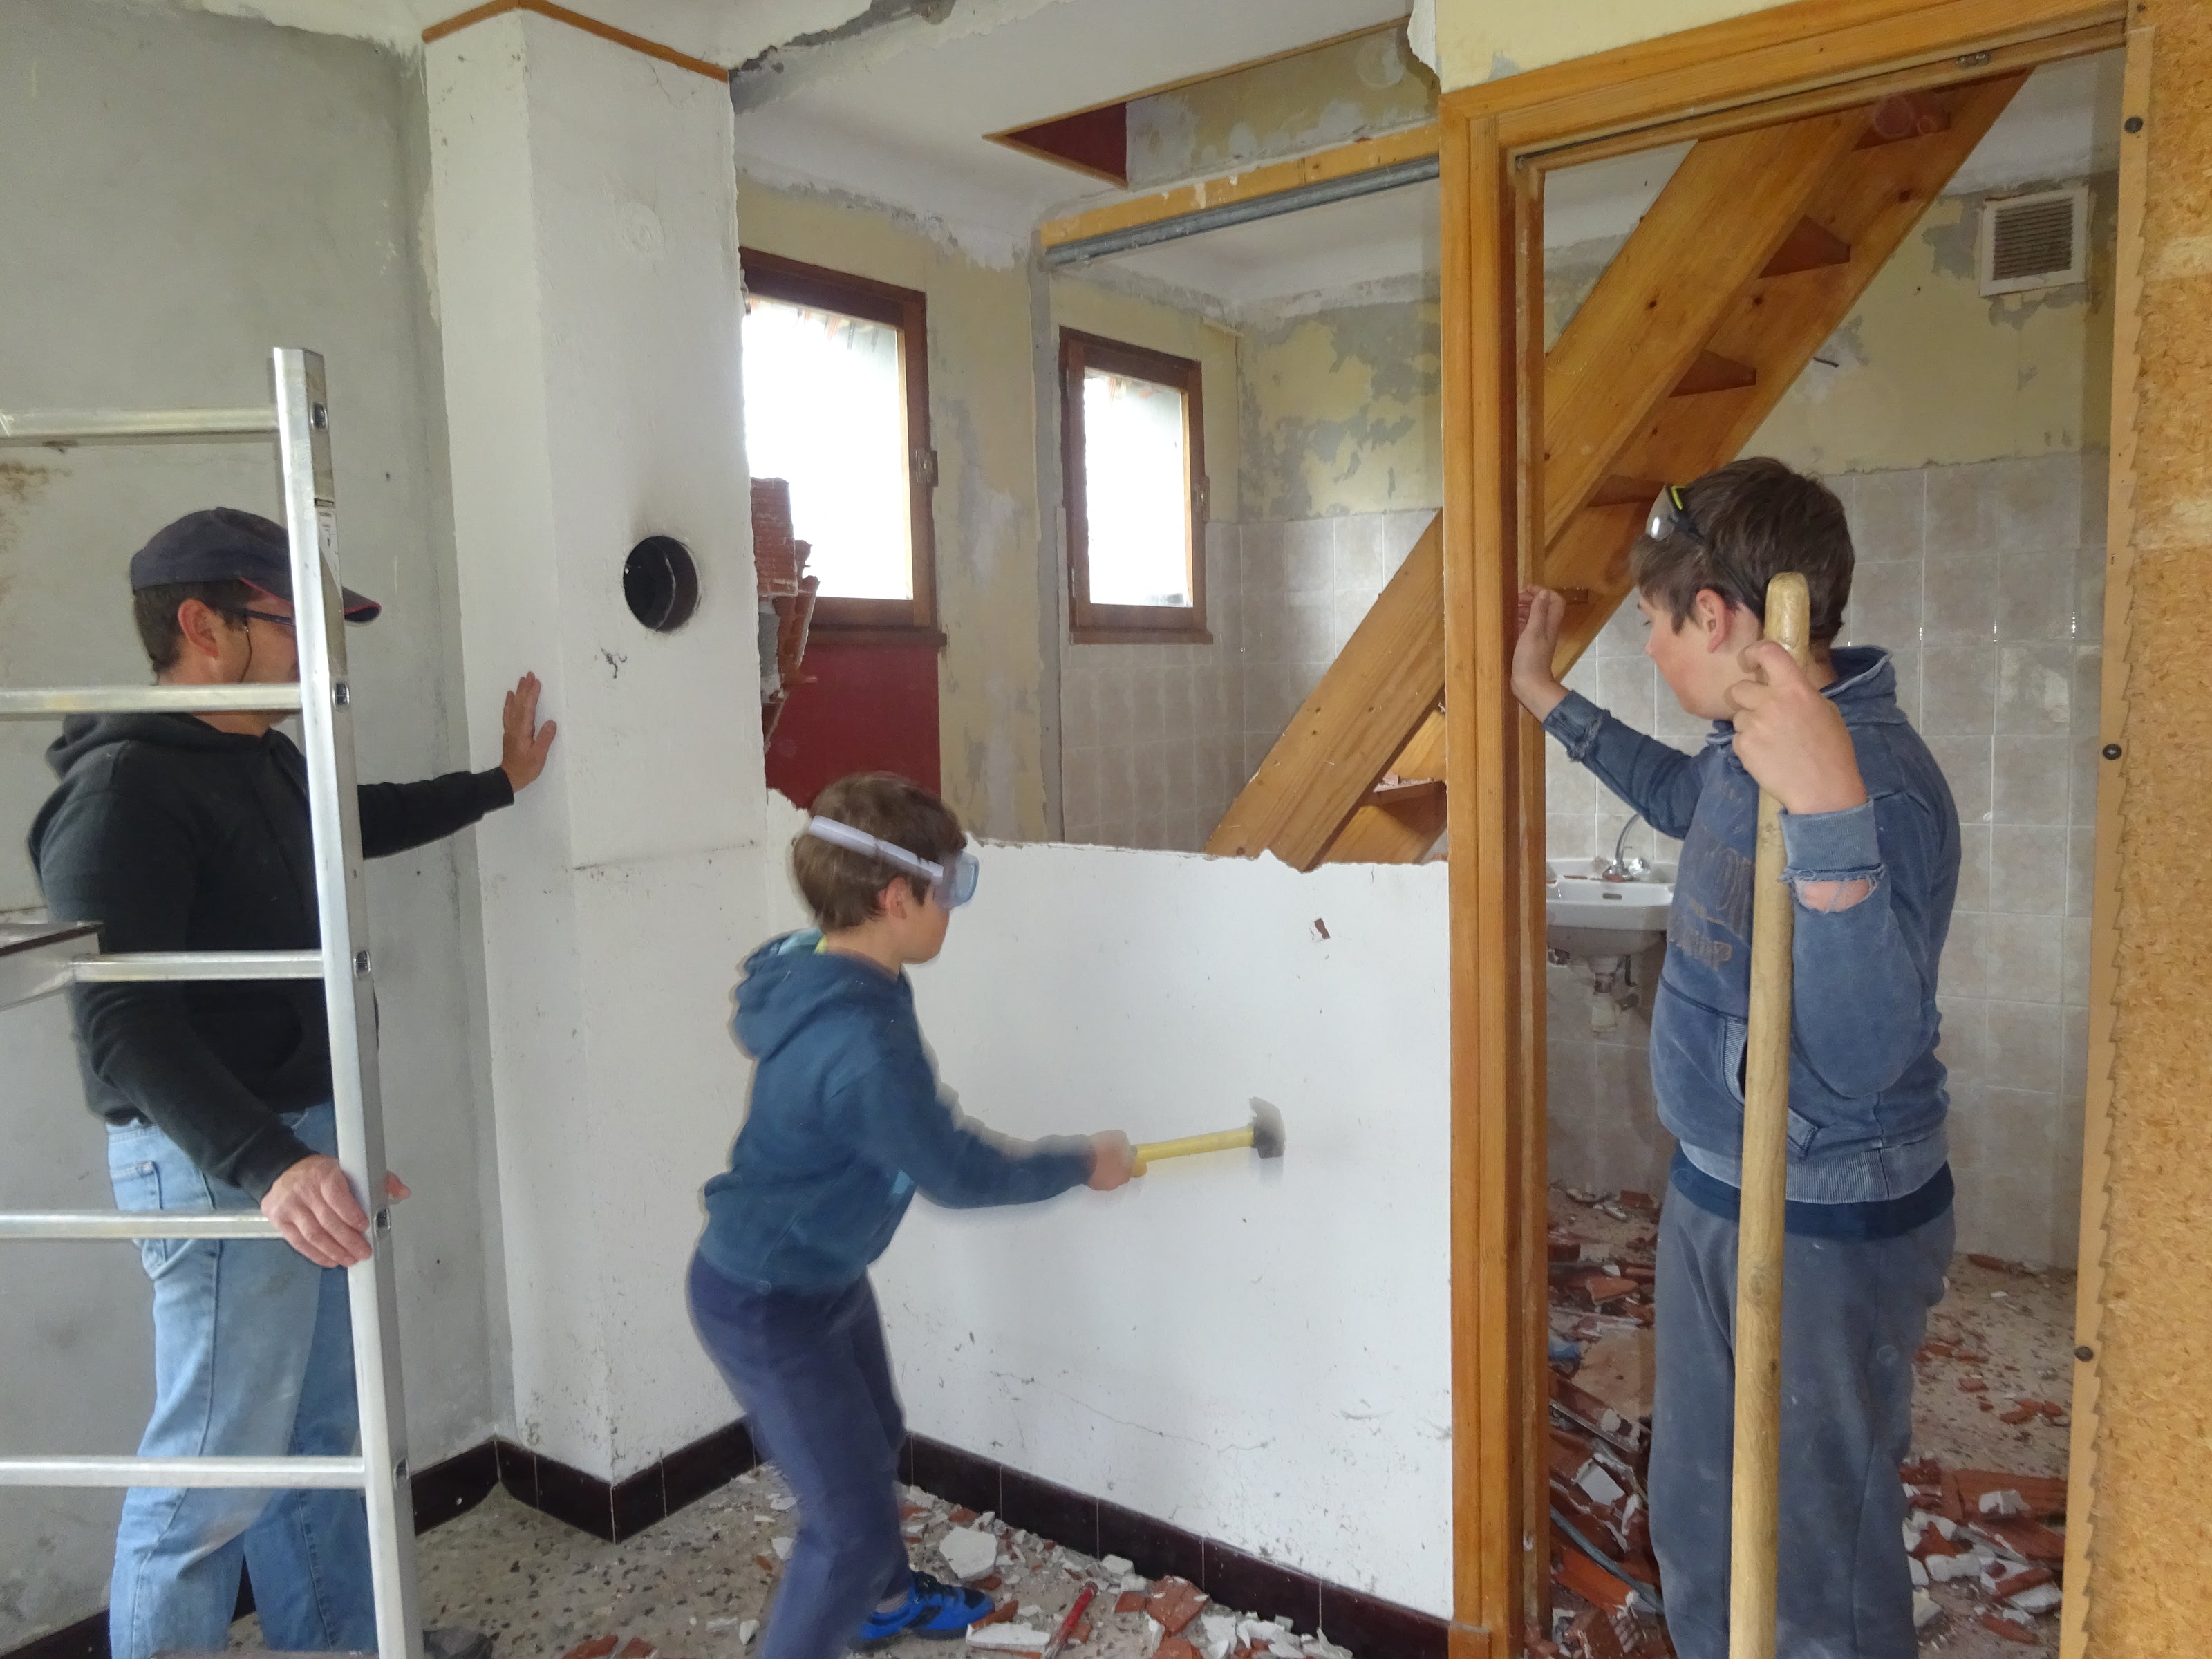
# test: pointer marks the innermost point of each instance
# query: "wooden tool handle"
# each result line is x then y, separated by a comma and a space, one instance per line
1228, 1140
1755, 1513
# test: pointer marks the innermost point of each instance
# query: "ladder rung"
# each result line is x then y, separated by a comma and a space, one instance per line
79, 426
281, 1472
64, 1225
133, 967
48, 701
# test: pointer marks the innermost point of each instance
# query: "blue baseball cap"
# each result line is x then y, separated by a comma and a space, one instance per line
227, 544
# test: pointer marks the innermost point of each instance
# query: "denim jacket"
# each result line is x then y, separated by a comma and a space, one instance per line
1867, 1100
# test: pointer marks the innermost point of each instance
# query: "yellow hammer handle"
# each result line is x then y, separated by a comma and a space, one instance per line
1228, 1140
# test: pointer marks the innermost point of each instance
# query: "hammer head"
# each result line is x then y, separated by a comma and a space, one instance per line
1266, 1130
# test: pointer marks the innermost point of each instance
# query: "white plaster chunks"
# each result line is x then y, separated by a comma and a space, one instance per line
970, 1553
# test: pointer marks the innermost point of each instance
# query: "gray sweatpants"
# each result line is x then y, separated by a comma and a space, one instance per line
1852, 1319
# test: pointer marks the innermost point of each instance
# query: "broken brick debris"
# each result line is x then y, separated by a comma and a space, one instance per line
1129, 1601
636, 1648
1174, 1603
2011, 1629
1587, 1579
1173, 1647
998, 1615
599, 1647
2042, 1497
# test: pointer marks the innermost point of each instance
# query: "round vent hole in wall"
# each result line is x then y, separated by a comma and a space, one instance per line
661, 583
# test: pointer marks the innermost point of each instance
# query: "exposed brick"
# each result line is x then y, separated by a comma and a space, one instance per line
1589, 1580
2026, 1578
2011, 1633
1174, 1603
636, 1648
1173, 1647
1130, 1601
598, 1648
962, 1517
999, 1614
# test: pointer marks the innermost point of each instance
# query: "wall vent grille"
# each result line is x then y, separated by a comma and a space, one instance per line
2035, 242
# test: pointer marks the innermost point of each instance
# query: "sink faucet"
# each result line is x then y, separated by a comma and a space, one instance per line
1635, 867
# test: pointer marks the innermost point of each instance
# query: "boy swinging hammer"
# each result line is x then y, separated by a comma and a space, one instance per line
1872, 839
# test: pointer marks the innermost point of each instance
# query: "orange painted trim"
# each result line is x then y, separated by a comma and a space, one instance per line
576, 20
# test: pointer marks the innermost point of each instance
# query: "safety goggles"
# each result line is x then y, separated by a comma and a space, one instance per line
951, 888
1670, 516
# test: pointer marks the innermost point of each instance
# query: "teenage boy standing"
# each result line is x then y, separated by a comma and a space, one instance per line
1873, 861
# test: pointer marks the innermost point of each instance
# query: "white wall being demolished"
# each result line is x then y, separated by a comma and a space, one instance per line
1258, 1353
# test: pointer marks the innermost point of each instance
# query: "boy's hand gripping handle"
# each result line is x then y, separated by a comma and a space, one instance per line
1754, 1519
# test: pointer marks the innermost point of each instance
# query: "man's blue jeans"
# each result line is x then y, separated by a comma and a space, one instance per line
252, 1357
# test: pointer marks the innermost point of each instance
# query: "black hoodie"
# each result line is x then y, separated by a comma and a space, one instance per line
175, 836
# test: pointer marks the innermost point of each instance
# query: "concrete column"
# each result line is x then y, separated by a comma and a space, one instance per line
584, 220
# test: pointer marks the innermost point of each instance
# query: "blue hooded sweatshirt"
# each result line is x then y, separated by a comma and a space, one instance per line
1867, 1100
846, 1122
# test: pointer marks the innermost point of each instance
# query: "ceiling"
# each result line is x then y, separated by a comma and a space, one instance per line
905, 126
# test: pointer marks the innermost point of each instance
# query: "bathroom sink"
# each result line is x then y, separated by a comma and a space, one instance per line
1586, 916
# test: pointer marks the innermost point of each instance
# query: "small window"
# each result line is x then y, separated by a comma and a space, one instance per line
836, 389
1134, 467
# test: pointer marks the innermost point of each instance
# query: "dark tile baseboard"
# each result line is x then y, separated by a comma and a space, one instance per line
1371, 1627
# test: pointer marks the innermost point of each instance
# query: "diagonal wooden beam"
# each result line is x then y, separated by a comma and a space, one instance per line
1379, 691
1724, 215
1811, 258
1869, 202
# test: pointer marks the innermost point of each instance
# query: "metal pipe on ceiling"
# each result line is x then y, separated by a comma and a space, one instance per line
1420, 169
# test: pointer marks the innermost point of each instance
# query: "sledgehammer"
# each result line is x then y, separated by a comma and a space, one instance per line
1263, 1134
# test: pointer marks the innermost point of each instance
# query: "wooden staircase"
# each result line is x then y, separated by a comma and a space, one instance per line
1754, 254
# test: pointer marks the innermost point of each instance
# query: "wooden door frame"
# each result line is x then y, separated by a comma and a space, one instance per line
1496, 141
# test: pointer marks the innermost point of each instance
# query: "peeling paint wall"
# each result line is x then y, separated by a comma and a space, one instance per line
993, 587
1342, 412
1351, 89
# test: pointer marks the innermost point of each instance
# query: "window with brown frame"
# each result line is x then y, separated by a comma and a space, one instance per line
836, 390
1133, 437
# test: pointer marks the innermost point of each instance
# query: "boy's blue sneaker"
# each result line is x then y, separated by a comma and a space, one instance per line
941, 1611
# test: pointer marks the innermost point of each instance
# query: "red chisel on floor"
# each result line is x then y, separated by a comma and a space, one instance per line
1059, 1643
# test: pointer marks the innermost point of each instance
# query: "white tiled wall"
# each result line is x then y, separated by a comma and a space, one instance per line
1986, 582
1157, 739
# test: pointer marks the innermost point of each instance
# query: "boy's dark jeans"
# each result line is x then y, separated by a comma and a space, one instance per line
1853, 1315
811, 1372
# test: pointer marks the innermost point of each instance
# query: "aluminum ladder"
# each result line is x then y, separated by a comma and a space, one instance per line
39, 959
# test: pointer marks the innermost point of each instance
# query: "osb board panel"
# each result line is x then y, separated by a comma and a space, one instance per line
2153, 1532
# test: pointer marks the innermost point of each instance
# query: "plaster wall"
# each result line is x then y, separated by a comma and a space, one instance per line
162, 245
996, 587
586, 221
1333, 95
1259, 1354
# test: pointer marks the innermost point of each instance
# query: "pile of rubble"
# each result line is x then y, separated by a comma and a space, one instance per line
1990, 1536
1986, 1547
1601, 1265
1037, 1582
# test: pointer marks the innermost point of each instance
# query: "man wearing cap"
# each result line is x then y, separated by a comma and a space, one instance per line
190, 832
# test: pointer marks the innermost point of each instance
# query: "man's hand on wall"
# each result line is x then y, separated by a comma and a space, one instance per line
524, 741
312, 1206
